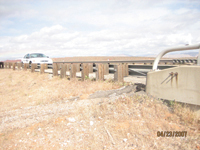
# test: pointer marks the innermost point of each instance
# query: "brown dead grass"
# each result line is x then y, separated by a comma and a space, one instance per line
20, 89
112, 123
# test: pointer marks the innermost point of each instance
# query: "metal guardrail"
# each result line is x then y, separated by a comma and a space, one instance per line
128, 68
119, 61
179, 48
183, 61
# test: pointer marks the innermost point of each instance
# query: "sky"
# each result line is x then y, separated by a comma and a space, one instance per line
66, 28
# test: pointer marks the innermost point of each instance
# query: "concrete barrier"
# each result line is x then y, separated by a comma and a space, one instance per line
181, 84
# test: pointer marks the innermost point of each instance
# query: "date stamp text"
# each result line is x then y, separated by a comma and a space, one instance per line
171, 133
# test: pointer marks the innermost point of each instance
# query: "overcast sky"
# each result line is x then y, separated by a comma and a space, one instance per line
96, 27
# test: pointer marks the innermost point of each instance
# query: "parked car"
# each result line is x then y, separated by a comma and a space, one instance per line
37, 58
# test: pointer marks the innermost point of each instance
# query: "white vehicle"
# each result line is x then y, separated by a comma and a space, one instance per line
36, 58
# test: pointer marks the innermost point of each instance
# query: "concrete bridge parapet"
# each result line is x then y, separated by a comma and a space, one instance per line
181, 84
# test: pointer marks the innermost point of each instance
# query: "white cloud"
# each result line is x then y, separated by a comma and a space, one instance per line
84, 28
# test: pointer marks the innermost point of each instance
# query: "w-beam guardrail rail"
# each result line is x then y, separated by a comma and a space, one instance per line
120, 69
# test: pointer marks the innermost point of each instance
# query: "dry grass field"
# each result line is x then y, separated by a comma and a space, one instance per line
41, 112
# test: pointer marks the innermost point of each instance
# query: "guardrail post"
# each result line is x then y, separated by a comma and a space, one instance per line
100, 72
198, 60
42, 68
63, 70
55, 69
118, 75
25, 66
125, 70
59, 66
4, 64
106, 69
33, 66
13, 64
85, 71
67, 67
45, 66
18, 66
90, 67
78, 67
1, 64
9, 64
28, 66
73, 70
